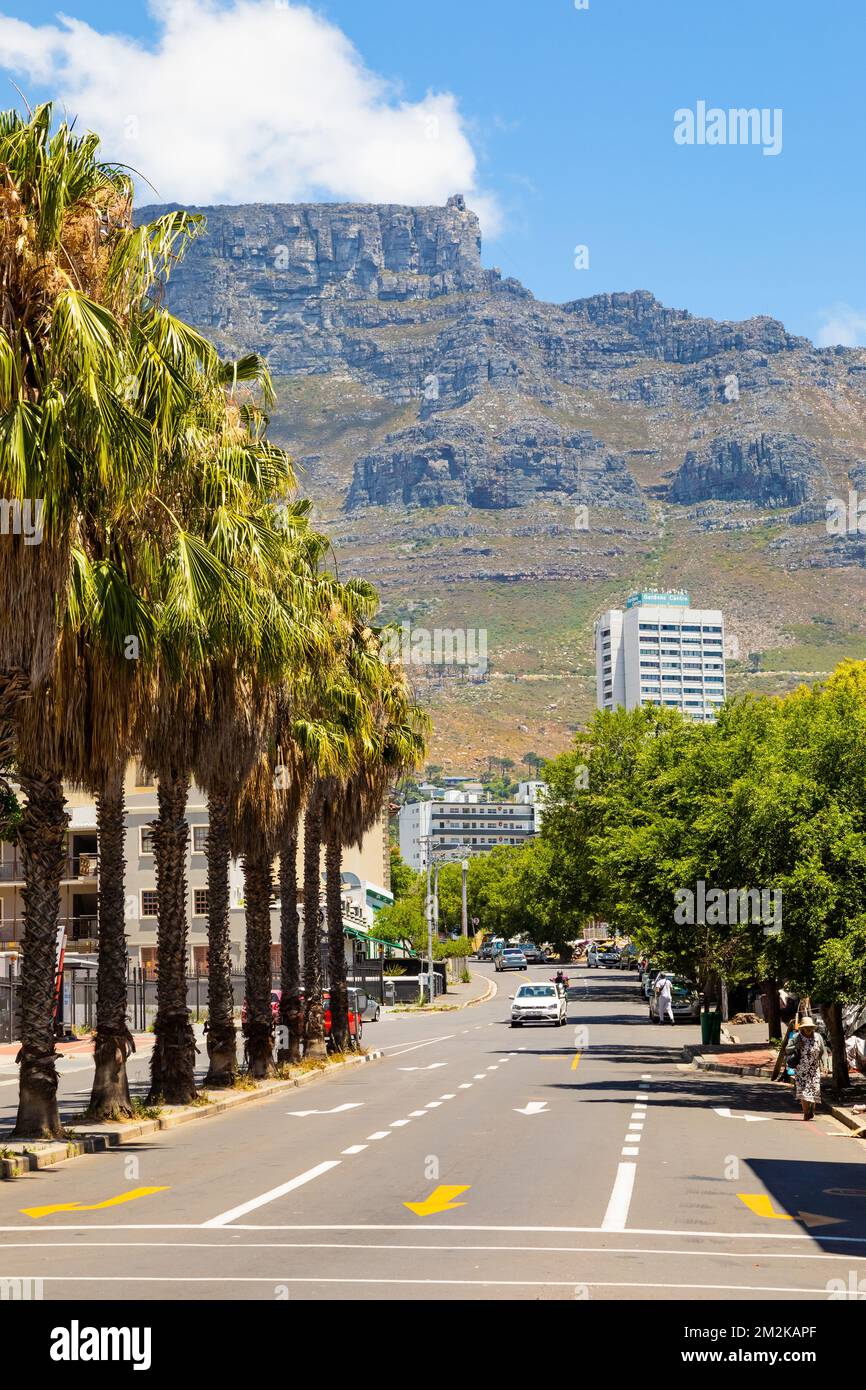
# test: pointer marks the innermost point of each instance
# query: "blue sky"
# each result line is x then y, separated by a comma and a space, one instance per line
566, 119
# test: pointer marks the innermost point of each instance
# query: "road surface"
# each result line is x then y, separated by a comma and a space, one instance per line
477, 1161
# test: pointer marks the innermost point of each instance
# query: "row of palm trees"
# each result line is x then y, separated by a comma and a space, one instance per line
179, 608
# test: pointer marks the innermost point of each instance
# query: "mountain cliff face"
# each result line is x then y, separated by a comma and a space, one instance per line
449, 426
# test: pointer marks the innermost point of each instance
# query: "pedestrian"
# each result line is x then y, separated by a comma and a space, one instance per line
663, 991
809, 1057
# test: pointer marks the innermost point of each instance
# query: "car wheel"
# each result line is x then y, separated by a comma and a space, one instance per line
515, 1024
376, 1015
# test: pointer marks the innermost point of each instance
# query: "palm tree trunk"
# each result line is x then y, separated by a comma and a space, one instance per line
172, 1068
337, 975
291, 1011
259, 1026
221, 1036
43, 850
109, 1098
314, 1023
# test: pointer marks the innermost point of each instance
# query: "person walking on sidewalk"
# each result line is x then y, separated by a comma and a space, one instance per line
664, 990
809, 1057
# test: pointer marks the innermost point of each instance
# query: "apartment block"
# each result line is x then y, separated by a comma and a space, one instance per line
661, 651
464, 821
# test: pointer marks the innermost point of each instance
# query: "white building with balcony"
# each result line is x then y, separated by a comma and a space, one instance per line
464, 821
661, 651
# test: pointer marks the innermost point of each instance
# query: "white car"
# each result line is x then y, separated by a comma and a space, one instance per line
538, 1003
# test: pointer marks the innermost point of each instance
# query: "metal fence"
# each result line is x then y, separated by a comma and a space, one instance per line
79, 996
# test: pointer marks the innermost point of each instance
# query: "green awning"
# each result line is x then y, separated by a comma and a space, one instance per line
378, 940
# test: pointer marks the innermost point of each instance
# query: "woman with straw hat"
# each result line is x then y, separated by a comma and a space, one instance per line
809, 1057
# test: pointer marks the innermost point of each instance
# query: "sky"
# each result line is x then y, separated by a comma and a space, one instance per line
567, 124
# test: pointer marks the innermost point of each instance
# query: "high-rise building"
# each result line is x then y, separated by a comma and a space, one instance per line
661, 651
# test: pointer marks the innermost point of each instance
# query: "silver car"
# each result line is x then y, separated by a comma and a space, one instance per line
510, 959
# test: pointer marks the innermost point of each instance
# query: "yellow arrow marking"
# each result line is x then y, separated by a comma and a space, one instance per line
762, 1205
576, 1063
440, 1199
36, 1212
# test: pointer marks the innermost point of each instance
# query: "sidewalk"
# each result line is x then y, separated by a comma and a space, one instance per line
459, 996
752, 1055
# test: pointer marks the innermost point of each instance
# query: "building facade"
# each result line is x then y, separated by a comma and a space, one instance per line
366, 881
464, 820
661, 651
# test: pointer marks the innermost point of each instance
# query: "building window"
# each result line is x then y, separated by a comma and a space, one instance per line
201, 899
199, 839
145, 839
149, 902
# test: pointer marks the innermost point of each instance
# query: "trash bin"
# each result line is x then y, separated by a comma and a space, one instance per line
711, 1025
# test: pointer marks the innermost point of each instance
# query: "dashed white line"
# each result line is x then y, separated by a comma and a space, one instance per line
398, 1124
379, 1134
355, 1149
416, 1114
448, 1096
620, 1198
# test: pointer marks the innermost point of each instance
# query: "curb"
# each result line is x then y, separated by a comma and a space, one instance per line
467, 1004
49, 1153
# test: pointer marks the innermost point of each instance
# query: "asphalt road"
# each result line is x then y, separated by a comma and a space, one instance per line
585, 1162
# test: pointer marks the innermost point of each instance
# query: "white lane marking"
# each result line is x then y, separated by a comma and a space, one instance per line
502, 1061
426, 1283
398, 1124
522, 1049
416, 1114
725, 1112
494, 1067
640, 1105
642, 1086
432, 1105
432, 1067
448, 1096
532, 1107
620, 1198
479, 1076
366, 1245
636, 1126
629, 1151
337, 1110
275, 1192
414, 1047
449, 1226
646, 1076
465, 1086
355, 1149
379, 1134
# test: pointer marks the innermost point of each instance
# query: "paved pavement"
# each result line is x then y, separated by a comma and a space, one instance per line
477, 1161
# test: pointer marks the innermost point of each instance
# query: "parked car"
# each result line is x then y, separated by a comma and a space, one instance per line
535, 955
491, 948
276, 996
600, 955
539, 1003
646, 980
511, 958
368, 1008
356, 1025
685, 1000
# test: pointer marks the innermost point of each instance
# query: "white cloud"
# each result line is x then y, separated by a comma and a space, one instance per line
250, 101
842, 325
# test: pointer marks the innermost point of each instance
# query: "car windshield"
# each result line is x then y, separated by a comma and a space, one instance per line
536, 992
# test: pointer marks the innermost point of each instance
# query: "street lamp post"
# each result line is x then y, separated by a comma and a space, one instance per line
464, 923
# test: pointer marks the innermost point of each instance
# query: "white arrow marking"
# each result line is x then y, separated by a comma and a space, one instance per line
533, 1107
349, 1105
725, 1112
432, 1067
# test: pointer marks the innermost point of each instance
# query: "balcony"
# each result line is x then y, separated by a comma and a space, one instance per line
76, 867
81, 932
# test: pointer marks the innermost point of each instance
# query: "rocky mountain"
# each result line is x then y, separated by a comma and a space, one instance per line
502, 463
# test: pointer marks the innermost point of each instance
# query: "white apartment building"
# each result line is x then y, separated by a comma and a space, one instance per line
465, 821
661, 651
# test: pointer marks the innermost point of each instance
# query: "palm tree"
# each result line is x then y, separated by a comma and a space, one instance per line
74, 447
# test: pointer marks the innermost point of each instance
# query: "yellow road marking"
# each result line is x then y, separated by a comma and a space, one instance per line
440, 1199
576, 1063
36, 1212
762, 1205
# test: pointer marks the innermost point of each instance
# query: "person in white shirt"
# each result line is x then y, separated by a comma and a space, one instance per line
663, 998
